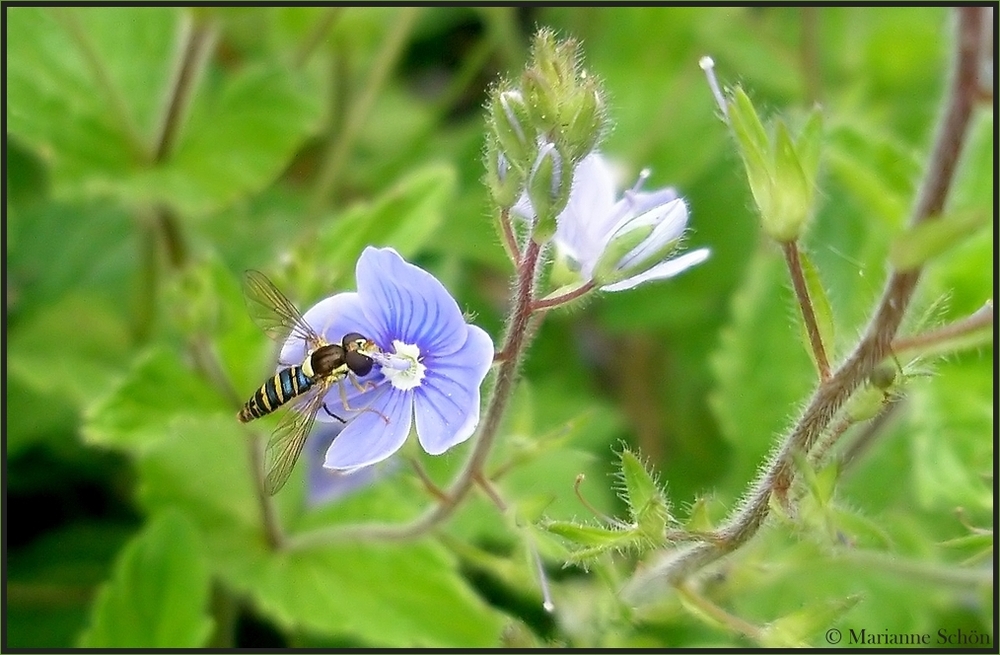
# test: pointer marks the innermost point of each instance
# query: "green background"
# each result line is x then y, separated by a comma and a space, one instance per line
130, 515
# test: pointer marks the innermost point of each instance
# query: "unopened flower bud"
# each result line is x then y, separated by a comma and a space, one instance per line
548, 189
512, 124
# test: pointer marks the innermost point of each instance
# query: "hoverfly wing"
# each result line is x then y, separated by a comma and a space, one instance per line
285, 444
273, 312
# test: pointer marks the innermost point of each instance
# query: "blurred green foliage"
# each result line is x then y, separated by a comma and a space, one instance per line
131, 514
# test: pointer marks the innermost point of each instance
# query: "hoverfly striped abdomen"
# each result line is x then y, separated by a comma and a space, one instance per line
275, 392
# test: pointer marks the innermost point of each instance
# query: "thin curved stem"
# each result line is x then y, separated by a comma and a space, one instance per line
341, 144
675, 566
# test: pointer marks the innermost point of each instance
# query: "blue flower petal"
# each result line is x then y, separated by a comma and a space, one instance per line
368, 438
332, 318
661, 271
447, 402
408, 303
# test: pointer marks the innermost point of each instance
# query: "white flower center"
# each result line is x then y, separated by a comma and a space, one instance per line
403, 368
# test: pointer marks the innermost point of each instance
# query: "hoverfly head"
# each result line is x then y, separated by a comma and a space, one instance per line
355, 347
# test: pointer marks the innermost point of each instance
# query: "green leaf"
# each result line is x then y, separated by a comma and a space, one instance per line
796, 629
240, 138
92, 342
403, 217
809, 145
751, 407
91, 133
951, 426
648, 506
385, 594
590, 535
924, 241
158, 594
875, 168
821, 310
50, 582
157, 390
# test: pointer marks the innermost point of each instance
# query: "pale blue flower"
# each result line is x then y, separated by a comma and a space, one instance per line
428, 374
620, 242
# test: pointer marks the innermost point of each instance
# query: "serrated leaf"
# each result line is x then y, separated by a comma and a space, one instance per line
924, 241
156, 390
389, 594
56, 104
821, 310
240, 138
752, 408
158, 593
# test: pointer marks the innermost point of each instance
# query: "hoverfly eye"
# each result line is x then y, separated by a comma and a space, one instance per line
360, 365
353, 341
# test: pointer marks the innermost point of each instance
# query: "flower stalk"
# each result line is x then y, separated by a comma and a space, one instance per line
674, 566
791, 251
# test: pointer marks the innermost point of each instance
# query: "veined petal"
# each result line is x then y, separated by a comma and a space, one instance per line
581, 228
408, 303
447, 402
669, 220
368, 438
643, 201
661, 271
332, 318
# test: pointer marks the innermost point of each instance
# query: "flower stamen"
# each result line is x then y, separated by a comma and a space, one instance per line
403, 367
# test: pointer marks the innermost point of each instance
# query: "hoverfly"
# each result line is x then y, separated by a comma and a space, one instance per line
324, 365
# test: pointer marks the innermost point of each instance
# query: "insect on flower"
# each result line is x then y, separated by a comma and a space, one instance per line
324, 365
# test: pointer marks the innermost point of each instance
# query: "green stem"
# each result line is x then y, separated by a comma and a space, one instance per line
198, 36
341, 144
794, 262
315, 38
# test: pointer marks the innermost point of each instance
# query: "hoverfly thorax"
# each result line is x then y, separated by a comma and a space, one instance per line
325, 361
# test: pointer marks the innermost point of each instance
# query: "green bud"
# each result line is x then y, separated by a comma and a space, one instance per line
584, 120
791, 194
548, 188
542, 101
504, 181
512, 124
753, 145
781, 173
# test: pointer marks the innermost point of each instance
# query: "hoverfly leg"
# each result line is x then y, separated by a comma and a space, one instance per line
362, 388
327, 410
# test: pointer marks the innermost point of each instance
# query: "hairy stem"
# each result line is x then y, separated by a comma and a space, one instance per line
791, 250
674, 566
949, 337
